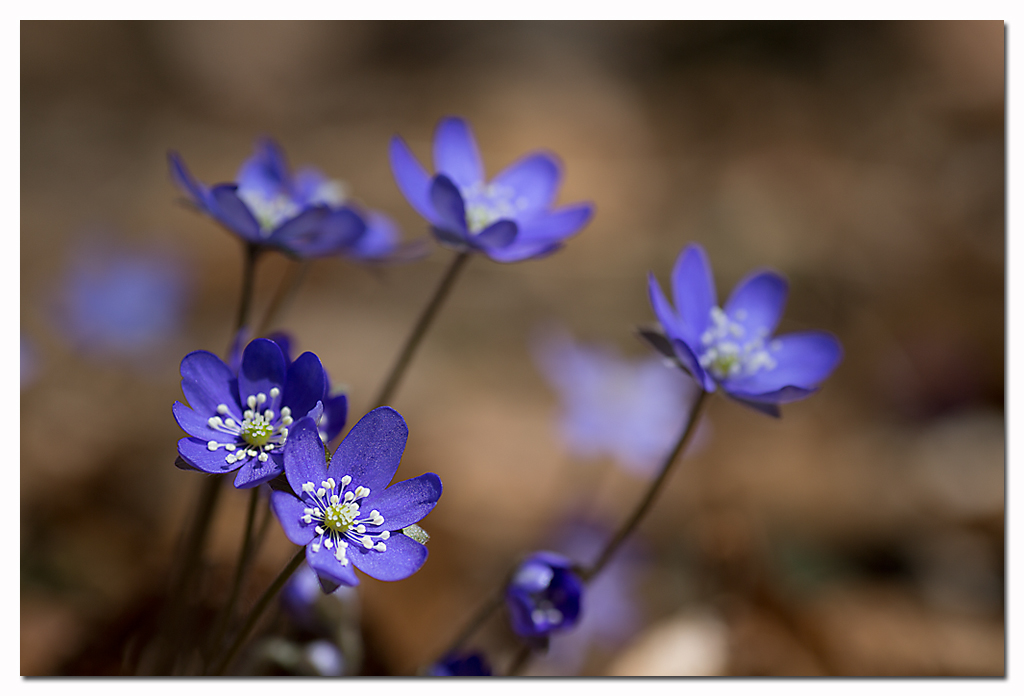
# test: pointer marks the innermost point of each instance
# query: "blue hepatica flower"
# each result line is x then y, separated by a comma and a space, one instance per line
344, 513
242, 422
733, 347
544, 595
461, 665
630, 410
122, 303
509, 218
305, 215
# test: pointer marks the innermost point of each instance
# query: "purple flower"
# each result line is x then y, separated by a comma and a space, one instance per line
121, 303
242, 422
344, 513
630, 410
509, 218
305, 215
732, 347
461, 665
544, 595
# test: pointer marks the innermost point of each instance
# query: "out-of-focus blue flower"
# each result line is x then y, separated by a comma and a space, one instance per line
461, 665
509, 218
613, 614
544, 595
121, 303
243, 421
325, 658
631, 410
305, 215
344, 513
732, 347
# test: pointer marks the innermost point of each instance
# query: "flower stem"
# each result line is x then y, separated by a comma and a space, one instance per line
248, 275
285, 294
483, 613
652, 492
257, 611
520, 661
420, 329
244, 556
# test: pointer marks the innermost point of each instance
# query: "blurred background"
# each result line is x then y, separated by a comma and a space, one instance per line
861, 534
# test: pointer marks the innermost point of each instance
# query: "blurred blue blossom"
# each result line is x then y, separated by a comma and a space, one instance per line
732, 347
121, 303
544, 595
344, 512
509, 218
305, 214
630, 410
461, 665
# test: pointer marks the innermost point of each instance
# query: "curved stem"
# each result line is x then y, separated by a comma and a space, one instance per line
420, 329
286, 292
244, 556
652, 492
520, 661
482, 614
248, 276
257, 611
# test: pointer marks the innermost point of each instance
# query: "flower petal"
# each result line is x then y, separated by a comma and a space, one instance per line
449, 206
335, 413
304, 456
402, 558
406, 502
307, 235
523, 251
693, 289
329, 569
371, 451
290, 511
558, 224
207, 382
412, 179
803, 360
498, 235
689, 362
186, 182
230, 211
262, 369
662, 309
534, 178
195, 452
757, 302
305, 385
197, 425
254, 472
266, 171
455, 152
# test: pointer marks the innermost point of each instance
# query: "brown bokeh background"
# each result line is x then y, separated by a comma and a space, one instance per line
863, 533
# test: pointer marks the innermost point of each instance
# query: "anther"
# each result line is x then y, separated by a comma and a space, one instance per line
251, 401
274, 392
222, 409
261, 398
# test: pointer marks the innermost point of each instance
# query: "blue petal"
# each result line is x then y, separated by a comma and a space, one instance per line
186, 182
557, 225
451, 239
304, 457
402, 558
207, 382
233, 213
304, 235
456, 154
194, 451
341, 229
662, 309
379, 242
328, 568
802, 359
780, 396
522, 251
757, 302
290, 511
534, 179
307, 183
406, 502
284, 342
371, 451
691, 364
262, 370
693, 288
194, 424
449, 206
305, 385
266, 171
498, 235
254, 472
412, 179
335, 413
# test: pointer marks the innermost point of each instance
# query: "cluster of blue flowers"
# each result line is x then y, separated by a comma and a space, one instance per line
268, 418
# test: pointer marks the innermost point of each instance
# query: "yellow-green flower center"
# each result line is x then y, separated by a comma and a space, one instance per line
340, 516
257, 432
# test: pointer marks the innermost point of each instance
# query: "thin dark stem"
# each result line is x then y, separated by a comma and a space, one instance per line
248, 275
244, 556
257, 611
420, 329
286, 292
520, 661
652, 492
483, 613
